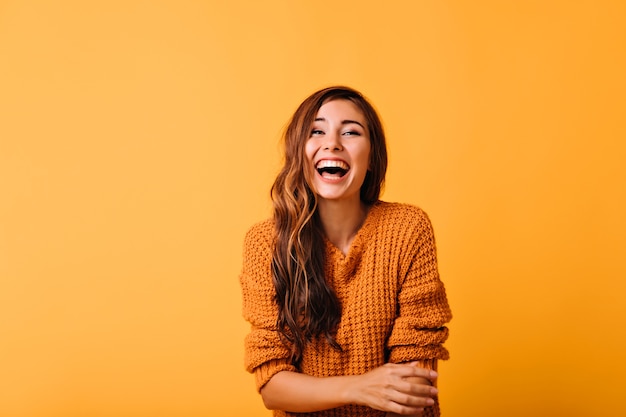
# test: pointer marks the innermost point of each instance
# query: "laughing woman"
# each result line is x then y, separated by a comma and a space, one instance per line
341, 289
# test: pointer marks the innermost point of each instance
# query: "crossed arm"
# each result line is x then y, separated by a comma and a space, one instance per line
398, 389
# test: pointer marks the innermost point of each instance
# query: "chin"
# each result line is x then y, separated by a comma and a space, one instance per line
336, 197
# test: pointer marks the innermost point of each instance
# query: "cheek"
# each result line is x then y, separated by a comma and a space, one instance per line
309, 155
366, 156
309, 150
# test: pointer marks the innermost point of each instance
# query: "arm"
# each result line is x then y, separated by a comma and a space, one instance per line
419, 329
264, 352
397, 388
423, 309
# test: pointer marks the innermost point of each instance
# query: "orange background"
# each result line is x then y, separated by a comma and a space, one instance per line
139, 139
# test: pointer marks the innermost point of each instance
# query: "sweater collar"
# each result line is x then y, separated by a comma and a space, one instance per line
349, 261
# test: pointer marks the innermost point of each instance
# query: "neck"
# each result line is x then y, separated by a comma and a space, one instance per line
341, 220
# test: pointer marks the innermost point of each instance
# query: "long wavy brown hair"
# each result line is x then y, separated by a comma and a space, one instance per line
307, 305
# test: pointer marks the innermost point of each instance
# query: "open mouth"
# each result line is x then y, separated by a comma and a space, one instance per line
332, 169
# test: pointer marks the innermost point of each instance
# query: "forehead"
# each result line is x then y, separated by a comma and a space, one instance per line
341, 109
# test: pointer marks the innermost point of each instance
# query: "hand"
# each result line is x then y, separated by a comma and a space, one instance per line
420, 412
403, 389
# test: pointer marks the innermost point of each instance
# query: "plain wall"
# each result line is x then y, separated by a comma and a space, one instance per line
139, 140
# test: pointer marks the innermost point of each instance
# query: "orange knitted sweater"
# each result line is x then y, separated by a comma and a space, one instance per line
394, 305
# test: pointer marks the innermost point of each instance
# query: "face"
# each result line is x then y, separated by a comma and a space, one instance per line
338, 151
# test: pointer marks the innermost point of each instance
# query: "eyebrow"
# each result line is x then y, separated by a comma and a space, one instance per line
343, 122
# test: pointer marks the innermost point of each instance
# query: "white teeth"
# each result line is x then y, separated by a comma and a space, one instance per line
329, 163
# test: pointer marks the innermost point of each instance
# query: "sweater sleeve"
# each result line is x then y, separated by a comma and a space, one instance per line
264, 353
419, 332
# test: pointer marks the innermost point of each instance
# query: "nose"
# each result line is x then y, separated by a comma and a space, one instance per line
332, 141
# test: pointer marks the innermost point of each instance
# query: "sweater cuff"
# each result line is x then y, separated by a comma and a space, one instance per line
264, 372
408, 353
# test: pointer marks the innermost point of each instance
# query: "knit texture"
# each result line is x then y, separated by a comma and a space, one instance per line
394, 305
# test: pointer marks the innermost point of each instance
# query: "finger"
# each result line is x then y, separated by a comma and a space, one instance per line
411, 369
409, 401
406, 411
426, 373
421, 388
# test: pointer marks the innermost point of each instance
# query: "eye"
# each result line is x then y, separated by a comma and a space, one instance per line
316, 132
352, 133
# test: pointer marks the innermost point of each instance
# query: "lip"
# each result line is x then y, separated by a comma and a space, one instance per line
330, 180
331, 159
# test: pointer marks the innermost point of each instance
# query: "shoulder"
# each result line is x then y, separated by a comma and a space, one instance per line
257, 252
261, 230
260, 234
402, 216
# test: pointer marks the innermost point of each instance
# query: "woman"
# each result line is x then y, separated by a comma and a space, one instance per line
346, 307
